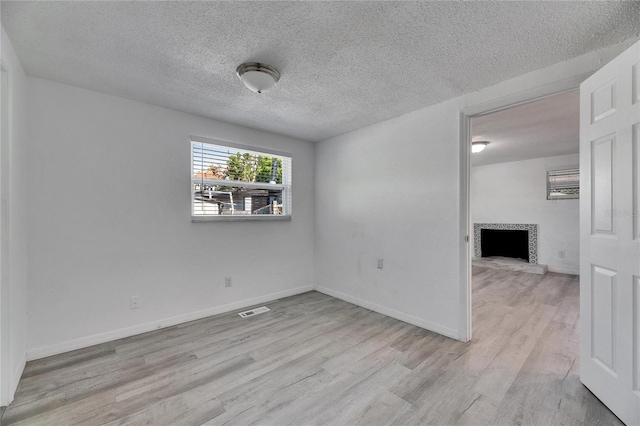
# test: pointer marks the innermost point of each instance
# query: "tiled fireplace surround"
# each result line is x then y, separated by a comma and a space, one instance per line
532, 232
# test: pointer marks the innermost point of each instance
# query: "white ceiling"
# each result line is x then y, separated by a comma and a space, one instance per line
344, 65
543, 128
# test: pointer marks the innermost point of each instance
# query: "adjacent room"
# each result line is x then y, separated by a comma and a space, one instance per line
525, 186
524, 190
265, 213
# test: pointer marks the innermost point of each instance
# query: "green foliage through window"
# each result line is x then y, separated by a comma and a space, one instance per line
254, 168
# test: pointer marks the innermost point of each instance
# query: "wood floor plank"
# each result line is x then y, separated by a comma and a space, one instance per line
78, 392
383, 410
309, 400
314, 359
193, 407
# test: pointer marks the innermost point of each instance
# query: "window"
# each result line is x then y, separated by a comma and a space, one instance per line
235, 181
563, 184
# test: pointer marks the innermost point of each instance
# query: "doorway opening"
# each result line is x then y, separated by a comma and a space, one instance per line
506, 109
516, 227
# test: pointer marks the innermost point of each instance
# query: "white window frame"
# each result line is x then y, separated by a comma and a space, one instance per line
286, 185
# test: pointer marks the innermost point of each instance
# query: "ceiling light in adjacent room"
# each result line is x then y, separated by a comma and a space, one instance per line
478, 146
258, 77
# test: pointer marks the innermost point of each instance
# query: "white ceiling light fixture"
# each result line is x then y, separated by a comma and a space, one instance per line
258, 77
478, 146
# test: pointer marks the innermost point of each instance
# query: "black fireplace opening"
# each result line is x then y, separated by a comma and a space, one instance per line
505, 243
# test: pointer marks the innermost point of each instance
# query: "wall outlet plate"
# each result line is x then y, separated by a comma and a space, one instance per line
227, 282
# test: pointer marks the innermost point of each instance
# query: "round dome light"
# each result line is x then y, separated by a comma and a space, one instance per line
258, 77
478, 146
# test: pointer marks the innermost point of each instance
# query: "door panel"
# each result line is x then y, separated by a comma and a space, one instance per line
636, 181
610, 235
603, 101
636, 334
636, 83
604, 322
602, 158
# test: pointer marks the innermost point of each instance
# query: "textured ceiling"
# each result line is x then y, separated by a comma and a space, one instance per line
344, 65
542, 128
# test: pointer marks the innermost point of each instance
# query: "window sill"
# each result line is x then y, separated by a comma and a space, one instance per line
241, 218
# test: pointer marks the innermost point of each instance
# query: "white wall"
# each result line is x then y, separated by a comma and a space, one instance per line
515, 192
391, 190
14, 265
110, 218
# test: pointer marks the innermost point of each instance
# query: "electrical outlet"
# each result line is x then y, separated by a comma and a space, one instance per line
380, 263
227, 282
135, 302
561, 254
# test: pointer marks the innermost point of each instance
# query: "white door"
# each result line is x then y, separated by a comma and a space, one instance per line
610, 235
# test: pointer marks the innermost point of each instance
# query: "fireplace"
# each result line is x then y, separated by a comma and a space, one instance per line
517, 240
505, 242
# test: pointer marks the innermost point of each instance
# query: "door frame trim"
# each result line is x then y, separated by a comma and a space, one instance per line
466, 245
5, 366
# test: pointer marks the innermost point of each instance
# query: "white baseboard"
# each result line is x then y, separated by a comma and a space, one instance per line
84, 342
563, 270
436, 328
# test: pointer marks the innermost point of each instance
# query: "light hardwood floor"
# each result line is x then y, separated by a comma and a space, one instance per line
317, 360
